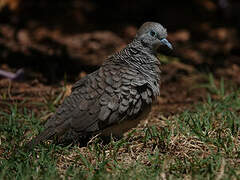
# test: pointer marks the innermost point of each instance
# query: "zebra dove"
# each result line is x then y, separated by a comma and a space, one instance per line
115, 97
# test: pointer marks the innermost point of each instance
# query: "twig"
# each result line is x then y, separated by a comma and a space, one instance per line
13, 76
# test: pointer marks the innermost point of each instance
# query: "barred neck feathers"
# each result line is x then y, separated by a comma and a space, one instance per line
136, 56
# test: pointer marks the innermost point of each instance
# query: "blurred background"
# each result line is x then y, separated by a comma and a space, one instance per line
46, 45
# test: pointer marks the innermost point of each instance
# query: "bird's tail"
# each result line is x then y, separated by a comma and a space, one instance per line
45, 135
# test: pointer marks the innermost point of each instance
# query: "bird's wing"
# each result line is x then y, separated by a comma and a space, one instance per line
125, 95
80, 109
103, 98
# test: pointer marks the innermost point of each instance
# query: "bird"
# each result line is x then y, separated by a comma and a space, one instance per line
115, 97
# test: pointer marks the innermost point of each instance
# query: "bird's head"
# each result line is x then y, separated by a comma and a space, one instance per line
153, 36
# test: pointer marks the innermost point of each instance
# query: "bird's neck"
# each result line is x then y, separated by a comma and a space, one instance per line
137, 44
136, 56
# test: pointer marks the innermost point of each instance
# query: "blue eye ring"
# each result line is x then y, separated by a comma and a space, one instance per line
153, 33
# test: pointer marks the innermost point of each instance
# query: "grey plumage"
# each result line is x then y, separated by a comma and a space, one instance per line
119, 92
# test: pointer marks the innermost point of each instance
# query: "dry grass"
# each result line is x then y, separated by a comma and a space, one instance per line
196, 144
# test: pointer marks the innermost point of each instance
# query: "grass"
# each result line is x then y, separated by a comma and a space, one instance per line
203, 143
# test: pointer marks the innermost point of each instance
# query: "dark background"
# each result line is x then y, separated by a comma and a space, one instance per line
56, 41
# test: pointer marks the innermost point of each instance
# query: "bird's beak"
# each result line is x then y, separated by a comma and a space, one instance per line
164, 47
166, 43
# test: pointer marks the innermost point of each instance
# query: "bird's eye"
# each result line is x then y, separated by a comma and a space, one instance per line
153, 33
